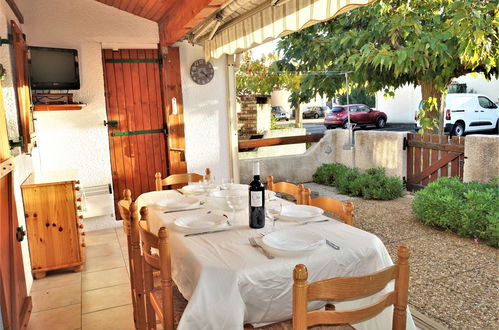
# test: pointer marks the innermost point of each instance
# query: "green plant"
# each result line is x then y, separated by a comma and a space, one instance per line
469, 209
373, 184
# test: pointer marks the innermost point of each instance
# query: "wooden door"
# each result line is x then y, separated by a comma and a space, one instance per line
20, 51
135, 119
15, 303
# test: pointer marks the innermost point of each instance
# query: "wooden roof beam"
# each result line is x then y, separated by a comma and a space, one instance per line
183, 16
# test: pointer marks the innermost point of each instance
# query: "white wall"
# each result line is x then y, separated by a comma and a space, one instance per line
205, 116
78, 139
401, 108
24, 163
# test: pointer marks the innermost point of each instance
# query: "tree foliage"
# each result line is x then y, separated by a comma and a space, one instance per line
396, 42
261, 76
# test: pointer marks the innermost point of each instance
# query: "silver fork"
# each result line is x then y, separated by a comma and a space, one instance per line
256, 245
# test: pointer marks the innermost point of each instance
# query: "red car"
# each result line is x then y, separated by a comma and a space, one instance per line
360, 114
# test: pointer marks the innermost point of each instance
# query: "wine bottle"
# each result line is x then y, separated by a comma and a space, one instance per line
256, 199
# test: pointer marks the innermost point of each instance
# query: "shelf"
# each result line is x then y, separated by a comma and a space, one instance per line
58, 107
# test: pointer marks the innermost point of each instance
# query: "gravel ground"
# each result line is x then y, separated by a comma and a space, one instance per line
452, 280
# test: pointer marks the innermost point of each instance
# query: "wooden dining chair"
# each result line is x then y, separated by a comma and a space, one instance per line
343, 288
159, 300
286, 188
176, 179
343, 210
128, 211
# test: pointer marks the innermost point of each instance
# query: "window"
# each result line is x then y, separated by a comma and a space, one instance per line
486, 103
363, 109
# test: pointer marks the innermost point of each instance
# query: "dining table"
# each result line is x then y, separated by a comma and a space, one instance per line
229, 283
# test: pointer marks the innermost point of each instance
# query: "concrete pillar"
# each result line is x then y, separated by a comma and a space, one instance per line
481, 154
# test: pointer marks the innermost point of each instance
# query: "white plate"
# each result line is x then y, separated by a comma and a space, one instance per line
299, 212
178, 203
292, 242
200, 222
270, 195
193, 189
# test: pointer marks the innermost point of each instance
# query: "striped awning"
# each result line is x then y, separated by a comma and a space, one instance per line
273, 20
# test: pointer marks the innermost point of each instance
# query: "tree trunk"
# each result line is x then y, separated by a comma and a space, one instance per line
298, 117
433, 108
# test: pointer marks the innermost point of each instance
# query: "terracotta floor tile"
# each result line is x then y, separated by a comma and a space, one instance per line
103, 263
56, 297
57, 279
113, 318
104, 298
63, 318
105, 278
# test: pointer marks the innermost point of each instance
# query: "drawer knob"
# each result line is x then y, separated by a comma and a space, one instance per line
80, 216
81, 226
79, 208
78, 199
83, 244
77, 188
83, 234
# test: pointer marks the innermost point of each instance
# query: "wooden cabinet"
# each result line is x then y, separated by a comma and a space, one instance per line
53, 223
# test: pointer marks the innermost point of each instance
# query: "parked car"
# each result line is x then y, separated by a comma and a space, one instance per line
468, 113
315, 112
360, 114
280, 114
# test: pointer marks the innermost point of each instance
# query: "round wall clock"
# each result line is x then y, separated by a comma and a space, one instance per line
202, 72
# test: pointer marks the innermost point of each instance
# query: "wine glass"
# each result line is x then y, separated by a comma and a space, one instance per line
236, 200
271, 212
226, 183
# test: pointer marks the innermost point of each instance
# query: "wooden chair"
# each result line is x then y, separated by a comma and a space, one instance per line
159, 300
286, 188
127, 208
183, 178
343, 210
342, 288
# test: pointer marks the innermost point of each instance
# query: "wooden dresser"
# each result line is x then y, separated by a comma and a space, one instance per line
55, 236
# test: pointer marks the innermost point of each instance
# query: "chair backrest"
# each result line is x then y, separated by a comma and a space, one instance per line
163, 263
342, 288
286, 188
343, 210
183, 178
124, 209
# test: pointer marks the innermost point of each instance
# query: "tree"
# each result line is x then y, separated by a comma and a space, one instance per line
395, 42
260, 76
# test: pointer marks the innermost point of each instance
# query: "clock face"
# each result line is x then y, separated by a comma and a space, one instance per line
202, 72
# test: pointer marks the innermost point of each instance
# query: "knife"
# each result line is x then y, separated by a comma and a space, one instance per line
331, 244
183, 210
207, 232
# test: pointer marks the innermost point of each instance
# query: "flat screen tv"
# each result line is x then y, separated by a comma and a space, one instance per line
53, 68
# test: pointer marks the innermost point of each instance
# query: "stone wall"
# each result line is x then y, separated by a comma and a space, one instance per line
254, 117
481, 154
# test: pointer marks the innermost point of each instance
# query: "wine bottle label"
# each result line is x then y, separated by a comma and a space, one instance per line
256, 199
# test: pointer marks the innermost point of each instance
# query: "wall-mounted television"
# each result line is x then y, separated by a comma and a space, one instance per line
53, 68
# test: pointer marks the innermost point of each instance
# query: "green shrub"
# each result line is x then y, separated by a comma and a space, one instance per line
469, 209
373, 184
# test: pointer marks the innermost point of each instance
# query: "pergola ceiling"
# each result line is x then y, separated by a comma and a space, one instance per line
153, 10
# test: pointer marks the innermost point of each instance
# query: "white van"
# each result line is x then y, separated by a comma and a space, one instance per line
469, 113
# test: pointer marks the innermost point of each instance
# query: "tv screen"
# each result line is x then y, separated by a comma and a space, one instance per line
53, 68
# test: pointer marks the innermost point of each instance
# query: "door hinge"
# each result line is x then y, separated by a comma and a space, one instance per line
405, 144
19, 143
6, 41
20, 233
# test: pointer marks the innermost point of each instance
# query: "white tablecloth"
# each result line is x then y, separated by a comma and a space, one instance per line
228, 283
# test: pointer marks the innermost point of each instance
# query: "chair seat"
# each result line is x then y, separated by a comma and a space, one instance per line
179, 302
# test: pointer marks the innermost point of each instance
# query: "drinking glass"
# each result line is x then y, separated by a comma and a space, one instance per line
271, 212
236, 200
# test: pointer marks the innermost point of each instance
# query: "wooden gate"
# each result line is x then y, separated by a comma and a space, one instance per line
430, 157
135, 119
